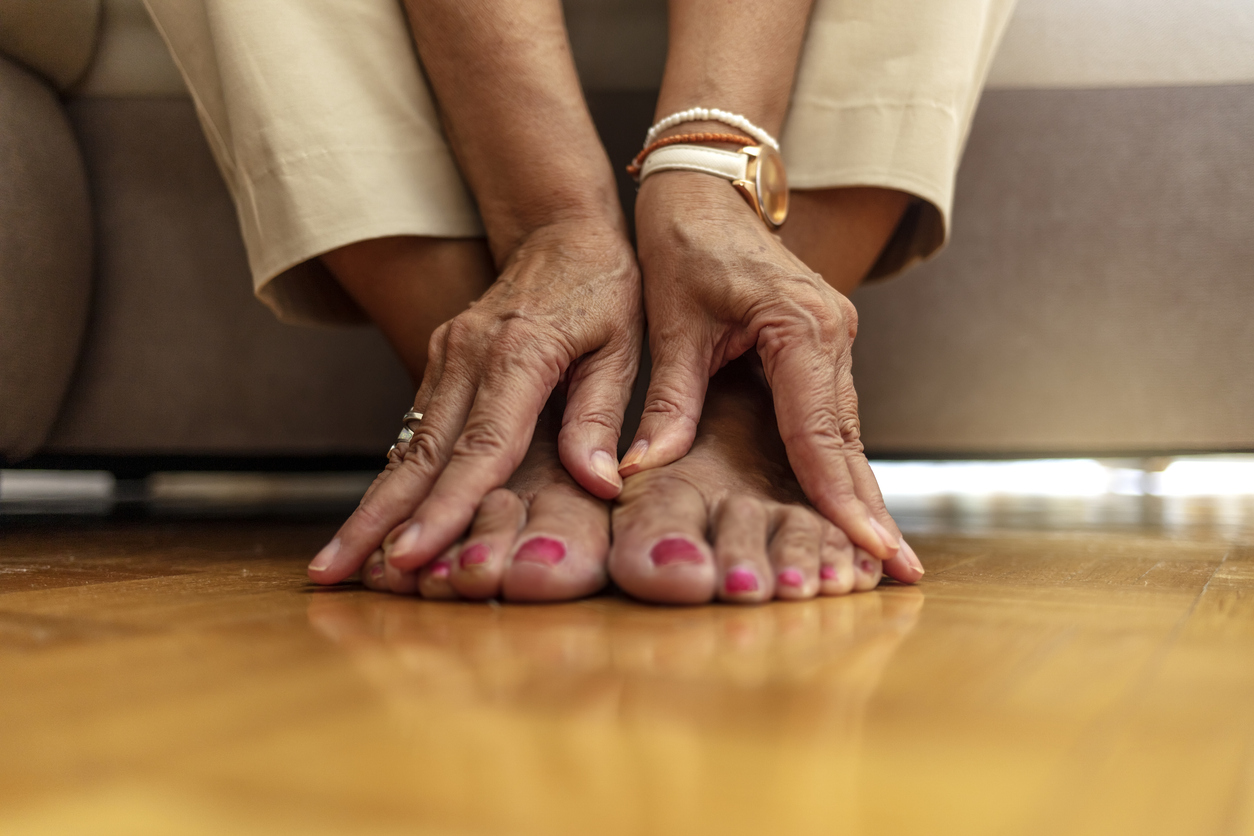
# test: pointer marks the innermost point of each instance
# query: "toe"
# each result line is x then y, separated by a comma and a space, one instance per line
867, 570
660, 552
740, 557
373, 572
836, 572
398, 581
560, 553
480, 562
435, 579
794, 552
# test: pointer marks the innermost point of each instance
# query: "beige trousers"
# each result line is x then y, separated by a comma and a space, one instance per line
324, 127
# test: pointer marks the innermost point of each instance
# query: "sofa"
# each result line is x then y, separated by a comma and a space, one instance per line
1096, 298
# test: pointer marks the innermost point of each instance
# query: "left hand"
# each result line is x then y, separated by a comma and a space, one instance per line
717, 283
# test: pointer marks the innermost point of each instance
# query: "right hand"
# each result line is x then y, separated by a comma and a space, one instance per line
565, 309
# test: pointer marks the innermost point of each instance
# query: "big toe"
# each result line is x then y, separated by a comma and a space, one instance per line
660, 551
561, 551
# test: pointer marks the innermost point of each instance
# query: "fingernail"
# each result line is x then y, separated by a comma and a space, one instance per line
376, 571
603, 465
635, 455
323, 559
406, 542
911, 557
675, 550
440, 570
741, 580
544, 550
890, 542
792, 577
828, 572
475, 555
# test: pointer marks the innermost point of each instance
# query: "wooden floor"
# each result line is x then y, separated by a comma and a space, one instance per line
183, 678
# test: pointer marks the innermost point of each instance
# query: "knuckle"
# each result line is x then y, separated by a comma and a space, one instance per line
821, 426
464, 333
481, 439
423, 453
594, 418
439, 338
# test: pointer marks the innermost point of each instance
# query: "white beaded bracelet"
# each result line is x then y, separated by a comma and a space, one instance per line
711, 114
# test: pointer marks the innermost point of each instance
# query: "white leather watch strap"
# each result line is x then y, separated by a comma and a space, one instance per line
730, 165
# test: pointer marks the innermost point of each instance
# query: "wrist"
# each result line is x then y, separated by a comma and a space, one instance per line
539, 206
591, 238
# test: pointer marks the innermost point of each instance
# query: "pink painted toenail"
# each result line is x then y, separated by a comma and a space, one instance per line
440, 570
475, 555
865, 565
828, 573
376, 571
675, 550
791, 577
544, 550
741, 580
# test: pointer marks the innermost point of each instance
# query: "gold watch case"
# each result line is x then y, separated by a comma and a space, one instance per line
765, 185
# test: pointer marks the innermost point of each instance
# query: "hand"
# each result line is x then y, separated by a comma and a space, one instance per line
718, 283
565, 309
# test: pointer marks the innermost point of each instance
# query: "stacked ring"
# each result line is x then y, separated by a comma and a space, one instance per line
409, 423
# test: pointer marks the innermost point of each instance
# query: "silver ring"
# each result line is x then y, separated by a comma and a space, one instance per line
411, 422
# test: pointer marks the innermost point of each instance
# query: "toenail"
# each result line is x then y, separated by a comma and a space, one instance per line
865, 565
792, 577
376, 571
440, 570
828, 572
741, 580
544, 550
675, 550
475, 555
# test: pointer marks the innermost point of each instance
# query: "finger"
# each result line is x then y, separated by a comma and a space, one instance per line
903, 566
672, 405
492, 444
740, 551
794, 552
394, 499
818, 421
595, 402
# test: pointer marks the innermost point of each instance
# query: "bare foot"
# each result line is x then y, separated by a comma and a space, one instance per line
539, 538
728, 520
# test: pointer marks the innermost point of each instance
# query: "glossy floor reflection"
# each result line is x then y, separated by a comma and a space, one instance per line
179, 678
